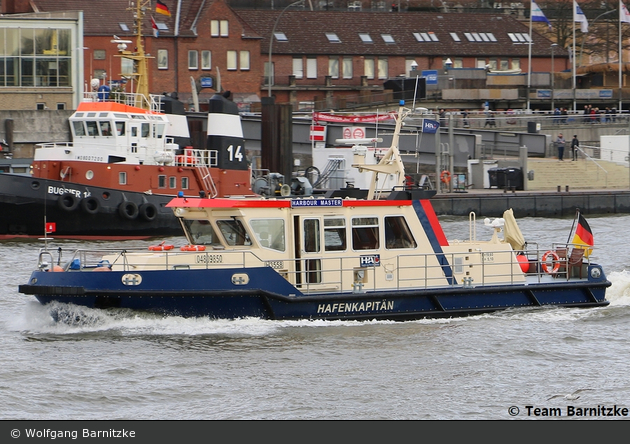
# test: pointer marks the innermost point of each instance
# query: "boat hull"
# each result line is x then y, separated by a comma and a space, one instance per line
267, 295
85, 212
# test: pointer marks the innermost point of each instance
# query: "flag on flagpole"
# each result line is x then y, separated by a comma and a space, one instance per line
583, 236
161, 8
156, 33
624, 15
578, 16
538, 15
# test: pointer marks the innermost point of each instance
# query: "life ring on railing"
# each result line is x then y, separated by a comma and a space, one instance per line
161, 247
193, 248
555, 262
445, 176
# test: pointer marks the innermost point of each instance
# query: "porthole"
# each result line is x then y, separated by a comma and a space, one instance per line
89, 174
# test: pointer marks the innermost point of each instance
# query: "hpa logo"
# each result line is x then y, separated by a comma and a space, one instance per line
371, 260
430, 126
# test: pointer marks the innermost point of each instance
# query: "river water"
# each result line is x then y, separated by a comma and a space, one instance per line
131, 366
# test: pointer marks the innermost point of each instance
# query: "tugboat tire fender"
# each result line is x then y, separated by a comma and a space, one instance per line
128, 210
68, 202
90, 205
148, 211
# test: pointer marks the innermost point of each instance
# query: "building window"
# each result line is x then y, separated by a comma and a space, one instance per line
481, 63
193, 59
365, 37
61, 106
333, 67
269, 72
214, 28
231, 61
383, 68
244, 60
368, 68
162, 58
298, 68
493, 64
458, 63
219, 28
311, 68
347, 68
504, 65
223, 28
516, 63
99, 54
332, 37
206, 59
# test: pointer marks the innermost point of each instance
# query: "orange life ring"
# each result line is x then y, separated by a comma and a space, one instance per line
555, 259
445, 176
161, 247
193, 248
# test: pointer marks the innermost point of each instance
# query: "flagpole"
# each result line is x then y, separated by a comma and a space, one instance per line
577, 215
529, 61
574, 104
620, 59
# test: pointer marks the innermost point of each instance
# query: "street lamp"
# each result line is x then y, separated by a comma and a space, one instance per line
553, 75
273, 32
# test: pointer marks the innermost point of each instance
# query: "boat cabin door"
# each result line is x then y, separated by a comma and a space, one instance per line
138, 134
308, 250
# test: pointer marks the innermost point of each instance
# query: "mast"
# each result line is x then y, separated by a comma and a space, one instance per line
138, 56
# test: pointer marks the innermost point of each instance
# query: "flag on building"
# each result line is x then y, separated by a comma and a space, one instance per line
161, 8
583, 235
624, 15
578, 16
156, 33
538, 15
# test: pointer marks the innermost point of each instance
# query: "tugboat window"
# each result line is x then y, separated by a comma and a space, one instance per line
79, 129
122, 178
234, 232
92, 128
397, 233
365, 233
184, 183
120, 128
269, 232
311, 236
161, 181
146, 130
334, 234
201, 232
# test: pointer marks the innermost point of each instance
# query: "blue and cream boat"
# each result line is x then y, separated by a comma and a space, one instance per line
382, 256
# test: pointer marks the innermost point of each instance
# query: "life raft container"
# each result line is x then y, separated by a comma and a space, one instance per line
445, 176
161, 247
555, 262
193, 248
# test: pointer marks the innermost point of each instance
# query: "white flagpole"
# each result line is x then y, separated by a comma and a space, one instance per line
574, 104
529, 62
620, 59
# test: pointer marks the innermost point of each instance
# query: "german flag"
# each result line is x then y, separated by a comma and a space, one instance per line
161, 8
583, 235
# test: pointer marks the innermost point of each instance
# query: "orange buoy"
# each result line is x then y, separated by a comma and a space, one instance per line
193, 248
523, 262
57, 268
445, 176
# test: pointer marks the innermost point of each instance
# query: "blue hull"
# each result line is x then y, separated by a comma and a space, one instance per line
267, 295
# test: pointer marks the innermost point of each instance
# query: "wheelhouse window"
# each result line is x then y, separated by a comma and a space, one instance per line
397, 233
365, 233
79, 129
234, 232
202, 233
334, 234
269, 232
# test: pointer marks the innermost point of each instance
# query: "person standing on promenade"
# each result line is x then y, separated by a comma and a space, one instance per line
575, 144
560, 142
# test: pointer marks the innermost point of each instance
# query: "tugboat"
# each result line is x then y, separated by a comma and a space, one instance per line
329, 257
123, 166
